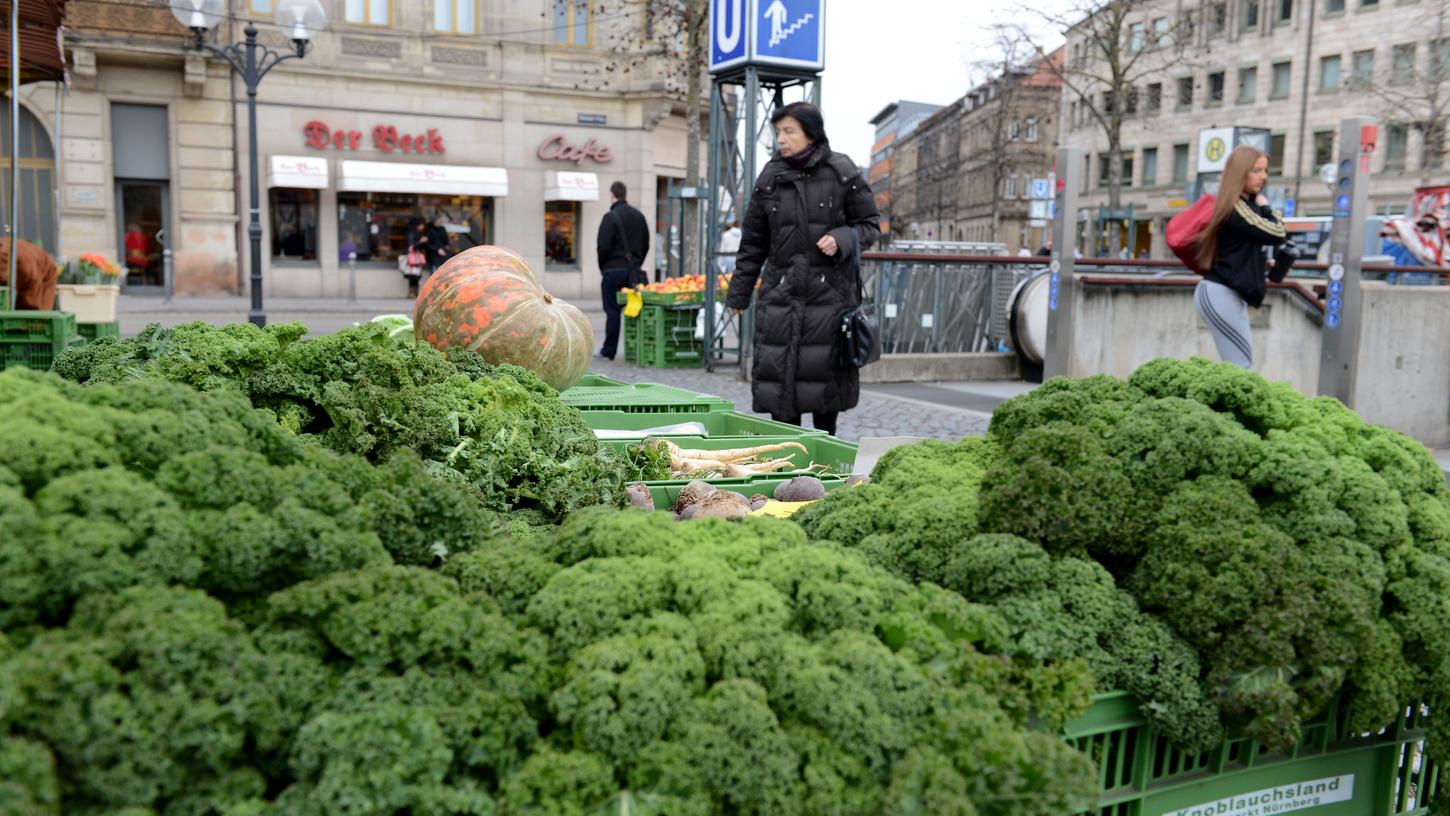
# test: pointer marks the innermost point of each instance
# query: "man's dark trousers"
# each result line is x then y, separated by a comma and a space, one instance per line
612, 281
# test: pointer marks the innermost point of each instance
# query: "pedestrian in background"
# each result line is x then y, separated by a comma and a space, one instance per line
439, 244
415, 259
623, 243
1231, 249
810, 216
729, 247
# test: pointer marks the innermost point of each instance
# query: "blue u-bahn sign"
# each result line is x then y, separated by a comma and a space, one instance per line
780, 33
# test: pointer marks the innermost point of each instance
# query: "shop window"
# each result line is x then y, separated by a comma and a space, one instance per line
294, 224
375, 225
368, 12
455, 16
561, 233
571, 22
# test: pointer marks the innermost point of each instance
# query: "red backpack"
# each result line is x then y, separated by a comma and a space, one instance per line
1185, 228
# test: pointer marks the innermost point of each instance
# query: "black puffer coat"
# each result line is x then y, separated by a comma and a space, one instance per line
803, 291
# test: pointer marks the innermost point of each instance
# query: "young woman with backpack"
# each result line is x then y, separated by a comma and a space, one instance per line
1230, 252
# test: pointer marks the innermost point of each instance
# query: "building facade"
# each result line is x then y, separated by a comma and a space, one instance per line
966, 172
1295, 68
894, 122
509, 119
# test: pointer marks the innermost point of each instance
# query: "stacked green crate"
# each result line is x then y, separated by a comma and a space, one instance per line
643, 398
621, 424
94, 331
35, 339
667, 338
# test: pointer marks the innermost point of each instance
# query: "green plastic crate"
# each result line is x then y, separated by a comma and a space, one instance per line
667, 338
92, 331
1141, 774
726, 424
592, 380
643, 398
34, 339
837, 455
665, 493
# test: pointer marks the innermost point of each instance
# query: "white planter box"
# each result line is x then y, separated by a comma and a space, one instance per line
90, 303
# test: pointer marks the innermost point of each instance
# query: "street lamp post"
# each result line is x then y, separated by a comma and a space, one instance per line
301, 19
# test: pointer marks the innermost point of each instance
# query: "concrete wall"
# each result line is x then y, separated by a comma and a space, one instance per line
1404, 361
1117, 328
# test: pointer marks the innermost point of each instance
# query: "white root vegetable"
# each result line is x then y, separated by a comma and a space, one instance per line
738, 462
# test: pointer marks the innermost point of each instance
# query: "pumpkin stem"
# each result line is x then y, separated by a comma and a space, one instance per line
548, 298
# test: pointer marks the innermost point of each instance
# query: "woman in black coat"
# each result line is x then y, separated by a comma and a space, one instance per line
810, 216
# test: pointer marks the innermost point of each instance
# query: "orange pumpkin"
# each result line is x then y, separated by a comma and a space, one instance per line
488, 299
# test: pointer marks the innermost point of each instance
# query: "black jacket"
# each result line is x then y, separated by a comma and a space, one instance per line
615, 254
437, 239
1239, 261
802, 290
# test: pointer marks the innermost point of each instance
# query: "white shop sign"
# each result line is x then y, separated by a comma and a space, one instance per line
396, 177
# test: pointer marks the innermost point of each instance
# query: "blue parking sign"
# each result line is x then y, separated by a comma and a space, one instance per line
790, 33
729, 32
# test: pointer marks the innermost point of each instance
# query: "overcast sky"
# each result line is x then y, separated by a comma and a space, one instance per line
919, 50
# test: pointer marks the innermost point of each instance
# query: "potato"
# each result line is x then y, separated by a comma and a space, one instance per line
688, 512
800, 489
758, 502
639, 496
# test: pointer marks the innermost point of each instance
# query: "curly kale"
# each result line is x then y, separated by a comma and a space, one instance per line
498, 429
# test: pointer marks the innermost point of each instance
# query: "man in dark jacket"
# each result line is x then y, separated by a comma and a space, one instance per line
623, 243
810, 216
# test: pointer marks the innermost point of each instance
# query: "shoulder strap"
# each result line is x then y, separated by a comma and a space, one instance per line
623, 239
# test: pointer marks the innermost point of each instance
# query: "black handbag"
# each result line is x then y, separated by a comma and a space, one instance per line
1284, 257
859, 342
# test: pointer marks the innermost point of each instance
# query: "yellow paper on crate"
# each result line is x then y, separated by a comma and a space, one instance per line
780, 509
633, 303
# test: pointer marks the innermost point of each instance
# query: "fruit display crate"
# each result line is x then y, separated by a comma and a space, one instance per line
643, 398
93, 331
836, 455
1331, 772
665, 493
710, 424
695, 297
35, 339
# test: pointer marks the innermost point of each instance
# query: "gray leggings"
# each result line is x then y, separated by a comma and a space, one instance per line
1227, 317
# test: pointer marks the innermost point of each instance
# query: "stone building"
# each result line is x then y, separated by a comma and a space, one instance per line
1293, 67
965, 173
894, 122
508, 118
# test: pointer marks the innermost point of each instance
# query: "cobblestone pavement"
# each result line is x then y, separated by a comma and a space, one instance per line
883, 411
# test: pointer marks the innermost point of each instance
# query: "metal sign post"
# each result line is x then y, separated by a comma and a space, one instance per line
759, 50
1064, 242
1339, 354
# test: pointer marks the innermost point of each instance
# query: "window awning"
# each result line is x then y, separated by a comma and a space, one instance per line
393, 177
562, 185
309, 172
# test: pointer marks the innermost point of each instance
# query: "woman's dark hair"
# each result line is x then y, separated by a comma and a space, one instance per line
415, 222
808, 115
